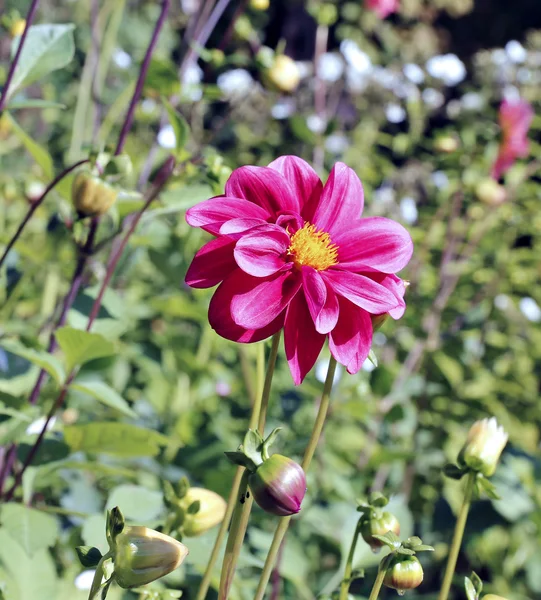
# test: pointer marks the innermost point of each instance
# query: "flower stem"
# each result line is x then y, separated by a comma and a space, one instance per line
457, 537
344, 586
15, 62
377, 584
244, 501
308, 455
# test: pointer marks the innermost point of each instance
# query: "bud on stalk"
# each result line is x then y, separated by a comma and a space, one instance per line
211, 511
484, 445
378, 525
278, 485
142, 555
91, 195
403, 573
283, 75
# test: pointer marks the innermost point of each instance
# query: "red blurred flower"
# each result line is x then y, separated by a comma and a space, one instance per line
291, 253
515, 118
383, 8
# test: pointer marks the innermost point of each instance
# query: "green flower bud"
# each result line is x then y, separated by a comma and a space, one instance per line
278, 485
484, 445
259, 4
211, 511
446, 143
403, 573
142, 555
490, 192
91, 195
378, 525
283, 75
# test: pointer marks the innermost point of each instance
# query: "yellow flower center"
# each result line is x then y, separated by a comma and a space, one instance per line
312, 248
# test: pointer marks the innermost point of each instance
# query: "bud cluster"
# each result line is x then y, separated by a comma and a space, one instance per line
375, 522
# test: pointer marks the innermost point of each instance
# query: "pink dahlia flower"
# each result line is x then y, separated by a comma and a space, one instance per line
515, 118
292, 253
383, 8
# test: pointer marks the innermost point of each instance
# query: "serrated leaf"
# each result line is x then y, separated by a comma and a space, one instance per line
46, 49
38, 152
42, 359
33, 530
104, 394
80, 346
119, 439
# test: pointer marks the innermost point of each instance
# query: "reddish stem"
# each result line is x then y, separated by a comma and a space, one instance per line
15, 62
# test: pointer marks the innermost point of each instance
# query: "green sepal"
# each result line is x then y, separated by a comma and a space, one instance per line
240, 459
194, 507
405, 551
252, 446
482, 484
473, 586
373, 358
115, 522
182, 487
271, 438
169, 495
454, 471
89, 556
389, 539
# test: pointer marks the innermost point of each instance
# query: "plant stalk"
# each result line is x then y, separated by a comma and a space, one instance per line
376, 588
29, 18
308, 455
457, 536
344, 586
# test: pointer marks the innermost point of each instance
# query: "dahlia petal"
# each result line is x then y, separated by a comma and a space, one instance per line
212, 213
397, 287
262, 186
301, 340
220, 317
351, 339
212, 264
290, 221
303, 180
235, 228
321, 300
361, 290
256, 302
341, 202
375, 242
261, 252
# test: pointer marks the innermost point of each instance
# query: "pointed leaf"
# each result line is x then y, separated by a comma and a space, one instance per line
42, 359
38, 153
80, 346
89, 556
470, 590
33, 529
105, 394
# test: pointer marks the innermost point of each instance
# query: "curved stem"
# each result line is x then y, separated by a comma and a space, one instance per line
344, 586
377, 584
15, 62
457, 537
142, 76
35, 205
308, 455
243, 507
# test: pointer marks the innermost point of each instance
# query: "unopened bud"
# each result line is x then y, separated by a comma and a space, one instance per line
142, 555
403, 573
278, 485
259, 4
91, 195
17, 27
211, 511
283, 75
490, 192
380, 524
484, 445
446, 143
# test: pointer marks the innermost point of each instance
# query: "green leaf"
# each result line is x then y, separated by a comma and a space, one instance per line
453, 471
38, 153
80, 346
373, 358
105, 394
33, 530
89, 556
49, 451
120, 439
137, 503
33, 103
470, 590
179, 125
42, 359
47, 48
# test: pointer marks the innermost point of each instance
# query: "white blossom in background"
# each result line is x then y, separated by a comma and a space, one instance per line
235, 83
330, 67
36, 426
191, 79
166, 137
384, 195
530, 309
511, 93
408, 209
447, 68
525, 75
189, 7
379, 339
148, 105
385, 78
414, 73
321, 371
440, 180
432, 98
502, 302
359, 66
472, 101
516, 51
83, 581
316, 124
304, 68
454, 108
223, 388
395, 113
283, 109
336, 143
406, 90
499, 57
121, 59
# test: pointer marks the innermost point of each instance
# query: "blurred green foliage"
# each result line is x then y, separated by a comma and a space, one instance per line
159, 396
